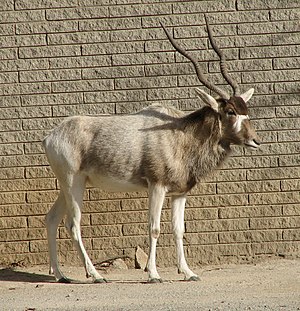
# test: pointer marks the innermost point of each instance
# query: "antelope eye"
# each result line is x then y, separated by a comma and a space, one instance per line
231, 112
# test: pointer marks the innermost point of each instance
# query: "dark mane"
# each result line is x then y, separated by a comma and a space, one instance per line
204, 121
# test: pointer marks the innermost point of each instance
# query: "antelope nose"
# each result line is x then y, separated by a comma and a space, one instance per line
257, 141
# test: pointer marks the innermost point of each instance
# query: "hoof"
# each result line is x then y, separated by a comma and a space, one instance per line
193, 278
64, 280
100, 281
155, 280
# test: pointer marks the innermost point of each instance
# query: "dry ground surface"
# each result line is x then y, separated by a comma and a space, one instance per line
268, 285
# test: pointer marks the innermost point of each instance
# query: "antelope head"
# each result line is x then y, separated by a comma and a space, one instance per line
232, 110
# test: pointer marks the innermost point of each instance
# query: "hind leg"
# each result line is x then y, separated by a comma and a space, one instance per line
53, 218
156, 200
74, 198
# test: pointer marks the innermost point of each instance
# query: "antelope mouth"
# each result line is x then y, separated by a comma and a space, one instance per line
252, 144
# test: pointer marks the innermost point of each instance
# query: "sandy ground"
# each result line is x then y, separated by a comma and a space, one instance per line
270, 285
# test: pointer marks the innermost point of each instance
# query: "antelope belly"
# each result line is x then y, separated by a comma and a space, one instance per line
112, 184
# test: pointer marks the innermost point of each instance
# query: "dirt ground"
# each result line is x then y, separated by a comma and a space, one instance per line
269, 285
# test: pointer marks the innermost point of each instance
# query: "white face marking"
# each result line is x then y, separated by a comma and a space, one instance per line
239, 120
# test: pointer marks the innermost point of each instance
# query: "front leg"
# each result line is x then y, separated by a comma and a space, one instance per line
156, 199
178, 205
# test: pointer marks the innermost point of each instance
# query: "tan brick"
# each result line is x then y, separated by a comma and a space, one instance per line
19, 209
192, 213
119, 218
12, 197
42, 196
22, 234
83, 85
101, 231
120, 242
275, 198
290, 185
98, 194
10, 125
272, 51
270, 27
110, 23
248, 187
49, 51
20, 41
141, 10
37, 123
14, 248
22, 16
24, 88
78, 37
50, 75
273, 173
250, 236
11, 149
142, 83
135, 229
251, 211
291, 234
290, 209
274, 222
113, 72
9, 235
26, 112
9, 53
102, 206
12, 173
217, 225
142, 58
27, 184
9, 77
36, 222
283, 248
13, 222
23, 64
113, 96
83, 109
134, 205
81, 61
266, 4
38, 172
46, 27
7, 5
217, 200
204, 6
77, 13
201, 238
39, 4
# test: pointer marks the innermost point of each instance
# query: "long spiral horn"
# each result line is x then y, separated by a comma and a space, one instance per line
194, 61
223, 64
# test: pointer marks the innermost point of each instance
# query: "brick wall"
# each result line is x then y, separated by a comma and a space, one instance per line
67, 57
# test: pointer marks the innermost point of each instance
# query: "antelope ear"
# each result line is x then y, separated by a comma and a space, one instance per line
247, 95
209, 100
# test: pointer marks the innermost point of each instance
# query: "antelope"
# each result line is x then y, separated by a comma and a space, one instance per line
159, 149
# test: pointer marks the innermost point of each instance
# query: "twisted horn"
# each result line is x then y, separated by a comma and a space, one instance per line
199, 72
223, 64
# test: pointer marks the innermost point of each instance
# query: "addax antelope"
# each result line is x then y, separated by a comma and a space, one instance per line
160, 149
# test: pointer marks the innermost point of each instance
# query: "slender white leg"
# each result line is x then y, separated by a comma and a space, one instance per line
53, 219
156, 198
74, 200
178, 205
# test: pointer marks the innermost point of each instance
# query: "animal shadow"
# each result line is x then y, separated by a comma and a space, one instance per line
13, 275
